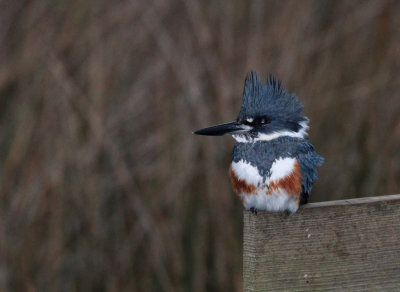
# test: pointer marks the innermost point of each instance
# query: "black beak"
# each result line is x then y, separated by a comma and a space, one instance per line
224, 129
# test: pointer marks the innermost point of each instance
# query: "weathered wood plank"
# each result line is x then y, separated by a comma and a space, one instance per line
330, 246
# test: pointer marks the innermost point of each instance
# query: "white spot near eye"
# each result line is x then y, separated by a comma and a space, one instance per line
250, 120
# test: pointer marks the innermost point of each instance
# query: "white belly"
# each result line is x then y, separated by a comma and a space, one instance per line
274, 202
263, 197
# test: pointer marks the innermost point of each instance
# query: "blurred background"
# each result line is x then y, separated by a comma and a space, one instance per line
103, 187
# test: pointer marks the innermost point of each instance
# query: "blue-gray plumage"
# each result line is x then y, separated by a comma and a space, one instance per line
273, 101
273, 164
262, 154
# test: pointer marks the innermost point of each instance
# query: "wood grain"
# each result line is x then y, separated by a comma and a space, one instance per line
351, 245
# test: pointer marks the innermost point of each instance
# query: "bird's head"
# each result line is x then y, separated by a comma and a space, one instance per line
268, 111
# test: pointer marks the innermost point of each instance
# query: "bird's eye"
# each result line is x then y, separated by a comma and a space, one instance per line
263, 120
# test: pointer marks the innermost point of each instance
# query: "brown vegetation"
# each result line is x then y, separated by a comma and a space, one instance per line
102, 185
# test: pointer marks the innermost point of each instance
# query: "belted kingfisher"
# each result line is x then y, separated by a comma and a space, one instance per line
273, 163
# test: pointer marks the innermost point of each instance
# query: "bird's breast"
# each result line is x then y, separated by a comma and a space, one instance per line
278, 190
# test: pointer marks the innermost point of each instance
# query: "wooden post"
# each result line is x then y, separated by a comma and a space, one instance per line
330, 246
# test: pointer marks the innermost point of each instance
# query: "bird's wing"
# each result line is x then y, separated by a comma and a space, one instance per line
308, 160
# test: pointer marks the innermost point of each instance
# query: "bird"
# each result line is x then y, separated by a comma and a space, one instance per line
273, 163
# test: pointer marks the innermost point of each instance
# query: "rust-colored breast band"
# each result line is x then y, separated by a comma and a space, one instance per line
240, 186
291, 183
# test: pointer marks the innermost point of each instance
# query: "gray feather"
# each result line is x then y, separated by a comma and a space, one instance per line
262, 154
270, 99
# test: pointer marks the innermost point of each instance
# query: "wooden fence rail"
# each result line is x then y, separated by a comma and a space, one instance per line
349, 245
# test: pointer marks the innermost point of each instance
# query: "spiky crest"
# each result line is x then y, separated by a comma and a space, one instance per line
270, 99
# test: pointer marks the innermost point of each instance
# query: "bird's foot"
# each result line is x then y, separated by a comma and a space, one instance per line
287, 213
253, 210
